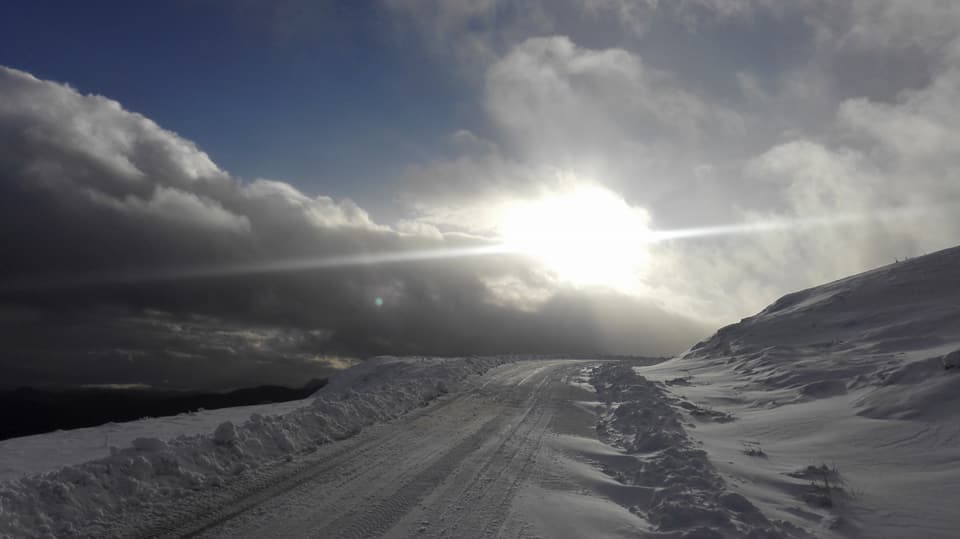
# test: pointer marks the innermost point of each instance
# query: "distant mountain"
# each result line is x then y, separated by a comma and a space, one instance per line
26, 411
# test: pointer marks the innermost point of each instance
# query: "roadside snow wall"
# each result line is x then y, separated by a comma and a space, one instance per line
90, 498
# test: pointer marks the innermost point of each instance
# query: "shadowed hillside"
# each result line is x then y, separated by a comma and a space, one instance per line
28, 411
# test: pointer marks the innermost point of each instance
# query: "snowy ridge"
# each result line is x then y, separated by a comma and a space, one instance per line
135, 484
843, 399
893, 326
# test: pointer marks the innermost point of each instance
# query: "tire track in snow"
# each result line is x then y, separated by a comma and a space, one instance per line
242, 497
371, 485
476, 501
378, 520
492, 497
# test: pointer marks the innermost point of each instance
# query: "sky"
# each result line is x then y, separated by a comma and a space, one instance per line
212, 193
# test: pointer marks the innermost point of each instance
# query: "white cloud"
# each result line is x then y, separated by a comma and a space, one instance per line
321, 211
922, 125
548, 92
127, 144
898, 24
860, 130
184, 209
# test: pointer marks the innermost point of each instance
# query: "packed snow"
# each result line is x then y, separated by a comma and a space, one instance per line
139, 479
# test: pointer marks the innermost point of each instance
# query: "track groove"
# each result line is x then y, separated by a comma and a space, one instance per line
451, 469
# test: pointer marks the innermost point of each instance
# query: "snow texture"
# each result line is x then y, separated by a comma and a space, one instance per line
688, 495
857, 380
92, 498
40, 453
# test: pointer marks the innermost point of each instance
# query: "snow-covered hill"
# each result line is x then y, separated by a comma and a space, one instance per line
845, 400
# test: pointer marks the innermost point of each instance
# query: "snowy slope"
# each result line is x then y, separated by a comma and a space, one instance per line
139, 480
861, 375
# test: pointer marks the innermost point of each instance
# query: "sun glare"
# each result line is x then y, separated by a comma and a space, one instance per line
585, 236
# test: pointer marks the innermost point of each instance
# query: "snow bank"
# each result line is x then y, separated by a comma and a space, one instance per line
152, 473
857, 377
689, 495
40, 453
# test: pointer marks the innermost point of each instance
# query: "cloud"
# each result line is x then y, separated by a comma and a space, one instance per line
709, 112
559, 110
98, 201
473, 33
882, 170
548, 95
836, 116
121, 347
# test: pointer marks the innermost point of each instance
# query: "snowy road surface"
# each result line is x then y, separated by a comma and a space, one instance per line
485, 462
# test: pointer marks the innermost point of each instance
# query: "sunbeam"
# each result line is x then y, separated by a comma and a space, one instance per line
798, 223
251, 268
606, 247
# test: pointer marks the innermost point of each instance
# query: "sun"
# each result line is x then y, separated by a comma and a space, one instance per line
587, 235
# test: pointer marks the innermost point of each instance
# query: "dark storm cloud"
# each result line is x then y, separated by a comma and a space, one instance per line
120, 346
94, 194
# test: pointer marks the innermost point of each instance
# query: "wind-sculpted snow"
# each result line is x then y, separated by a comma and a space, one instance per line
894, 326
858, 378
688, 495
136, 483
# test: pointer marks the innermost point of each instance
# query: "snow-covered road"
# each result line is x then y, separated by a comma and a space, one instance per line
466, 466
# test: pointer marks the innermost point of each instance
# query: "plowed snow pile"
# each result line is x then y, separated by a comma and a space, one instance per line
137, 483
838, 408
687, 497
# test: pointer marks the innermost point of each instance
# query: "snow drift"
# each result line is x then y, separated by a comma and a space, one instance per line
688, 498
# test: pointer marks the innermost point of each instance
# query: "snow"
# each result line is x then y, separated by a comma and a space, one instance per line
468, 466
681, 491
835, 412
562, 515
30, 455
854, 375
160, 460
